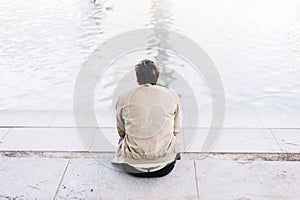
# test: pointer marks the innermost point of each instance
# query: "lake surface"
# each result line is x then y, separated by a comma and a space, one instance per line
255, 46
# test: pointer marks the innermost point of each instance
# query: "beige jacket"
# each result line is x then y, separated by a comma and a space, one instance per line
148, 118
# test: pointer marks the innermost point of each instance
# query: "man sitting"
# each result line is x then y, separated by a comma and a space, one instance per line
148, 120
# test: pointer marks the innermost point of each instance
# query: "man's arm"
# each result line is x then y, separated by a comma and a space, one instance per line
120, 121
177, 120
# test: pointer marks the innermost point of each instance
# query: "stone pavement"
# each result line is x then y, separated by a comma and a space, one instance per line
250, 140
55, 131
43, 157
71, 175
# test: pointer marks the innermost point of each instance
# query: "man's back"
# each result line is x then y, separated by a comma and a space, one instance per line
150, 118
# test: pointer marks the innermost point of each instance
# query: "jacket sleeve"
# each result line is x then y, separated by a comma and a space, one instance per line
177, 120
119, 120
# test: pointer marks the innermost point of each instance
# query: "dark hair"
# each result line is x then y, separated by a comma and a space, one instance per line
146, 72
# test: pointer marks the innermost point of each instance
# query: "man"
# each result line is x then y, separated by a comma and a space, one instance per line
148, 120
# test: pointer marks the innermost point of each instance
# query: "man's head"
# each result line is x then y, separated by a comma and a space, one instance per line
146, 72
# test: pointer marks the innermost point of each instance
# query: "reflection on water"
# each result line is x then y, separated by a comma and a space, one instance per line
254, 44
161, 19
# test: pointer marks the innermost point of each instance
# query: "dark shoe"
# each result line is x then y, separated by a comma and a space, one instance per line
178, 156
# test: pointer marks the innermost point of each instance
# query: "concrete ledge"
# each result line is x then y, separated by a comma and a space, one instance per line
249, 118
184, 156
68, 139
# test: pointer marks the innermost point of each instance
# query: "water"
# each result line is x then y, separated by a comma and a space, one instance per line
255, 46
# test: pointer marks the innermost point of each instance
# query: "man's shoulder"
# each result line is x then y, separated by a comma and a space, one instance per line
169, 91
124, 95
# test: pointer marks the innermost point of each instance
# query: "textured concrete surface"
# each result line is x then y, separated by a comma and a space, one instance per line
30, 178
234, 119
246, 140
34, 139
233, 140
26, 118
91, 179
3, 133
257, 157
288, 140
216, 177
69, 139
248, 180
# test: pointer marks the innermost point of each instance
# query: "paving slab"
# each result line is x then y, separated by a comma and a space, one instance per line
30, 178
106, 139
247, 140
192, 138
271, 119
105, 118
89, 179
3, 133
43, 139
63, 119
26, 118
233, 119
246, 180
217, 177
69, 139
233, 140
288, 139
